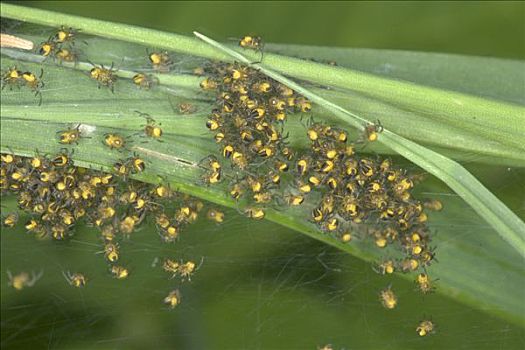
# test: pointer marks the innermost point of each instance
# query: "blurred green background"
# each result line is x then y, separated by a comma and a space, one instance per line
260, 286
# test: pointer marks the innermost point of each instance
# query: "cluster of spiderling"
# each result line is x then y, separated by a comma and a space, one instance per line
13, 77
58, 195
60, 45
181, 269
356, 191
350, 192
248, 124
364, 193
368, 195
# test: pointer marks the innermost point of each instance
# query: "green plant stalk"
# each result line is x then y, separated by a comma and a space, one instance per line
501, 122
488, 206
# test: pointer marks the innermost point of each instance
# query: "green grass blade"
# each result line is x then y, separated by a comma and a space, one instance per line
486, 77
498, 121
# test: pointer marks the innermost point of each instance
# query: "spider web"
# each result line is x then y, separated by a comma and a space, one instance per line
260, 286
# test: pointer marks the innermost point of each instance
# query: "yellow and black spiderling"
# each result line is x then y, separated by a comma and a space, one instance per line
209, 84
187, 269
76, 279
66, 55
215, 215
424, 283
47, 49
426, 327
114, 141
213, 124
111, 251
104, 76
213, 170
61, 45
388, 298
10, 220
212, 177
295, 200
70, 135
145, 81
160, 61
33, 82
119, 272
255, 213
121, 168
227, 151
152, 129
173, 299
385, 267
64, 35
372, 131
137, 164
12, 77
171, 266
62, 159
252, 42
